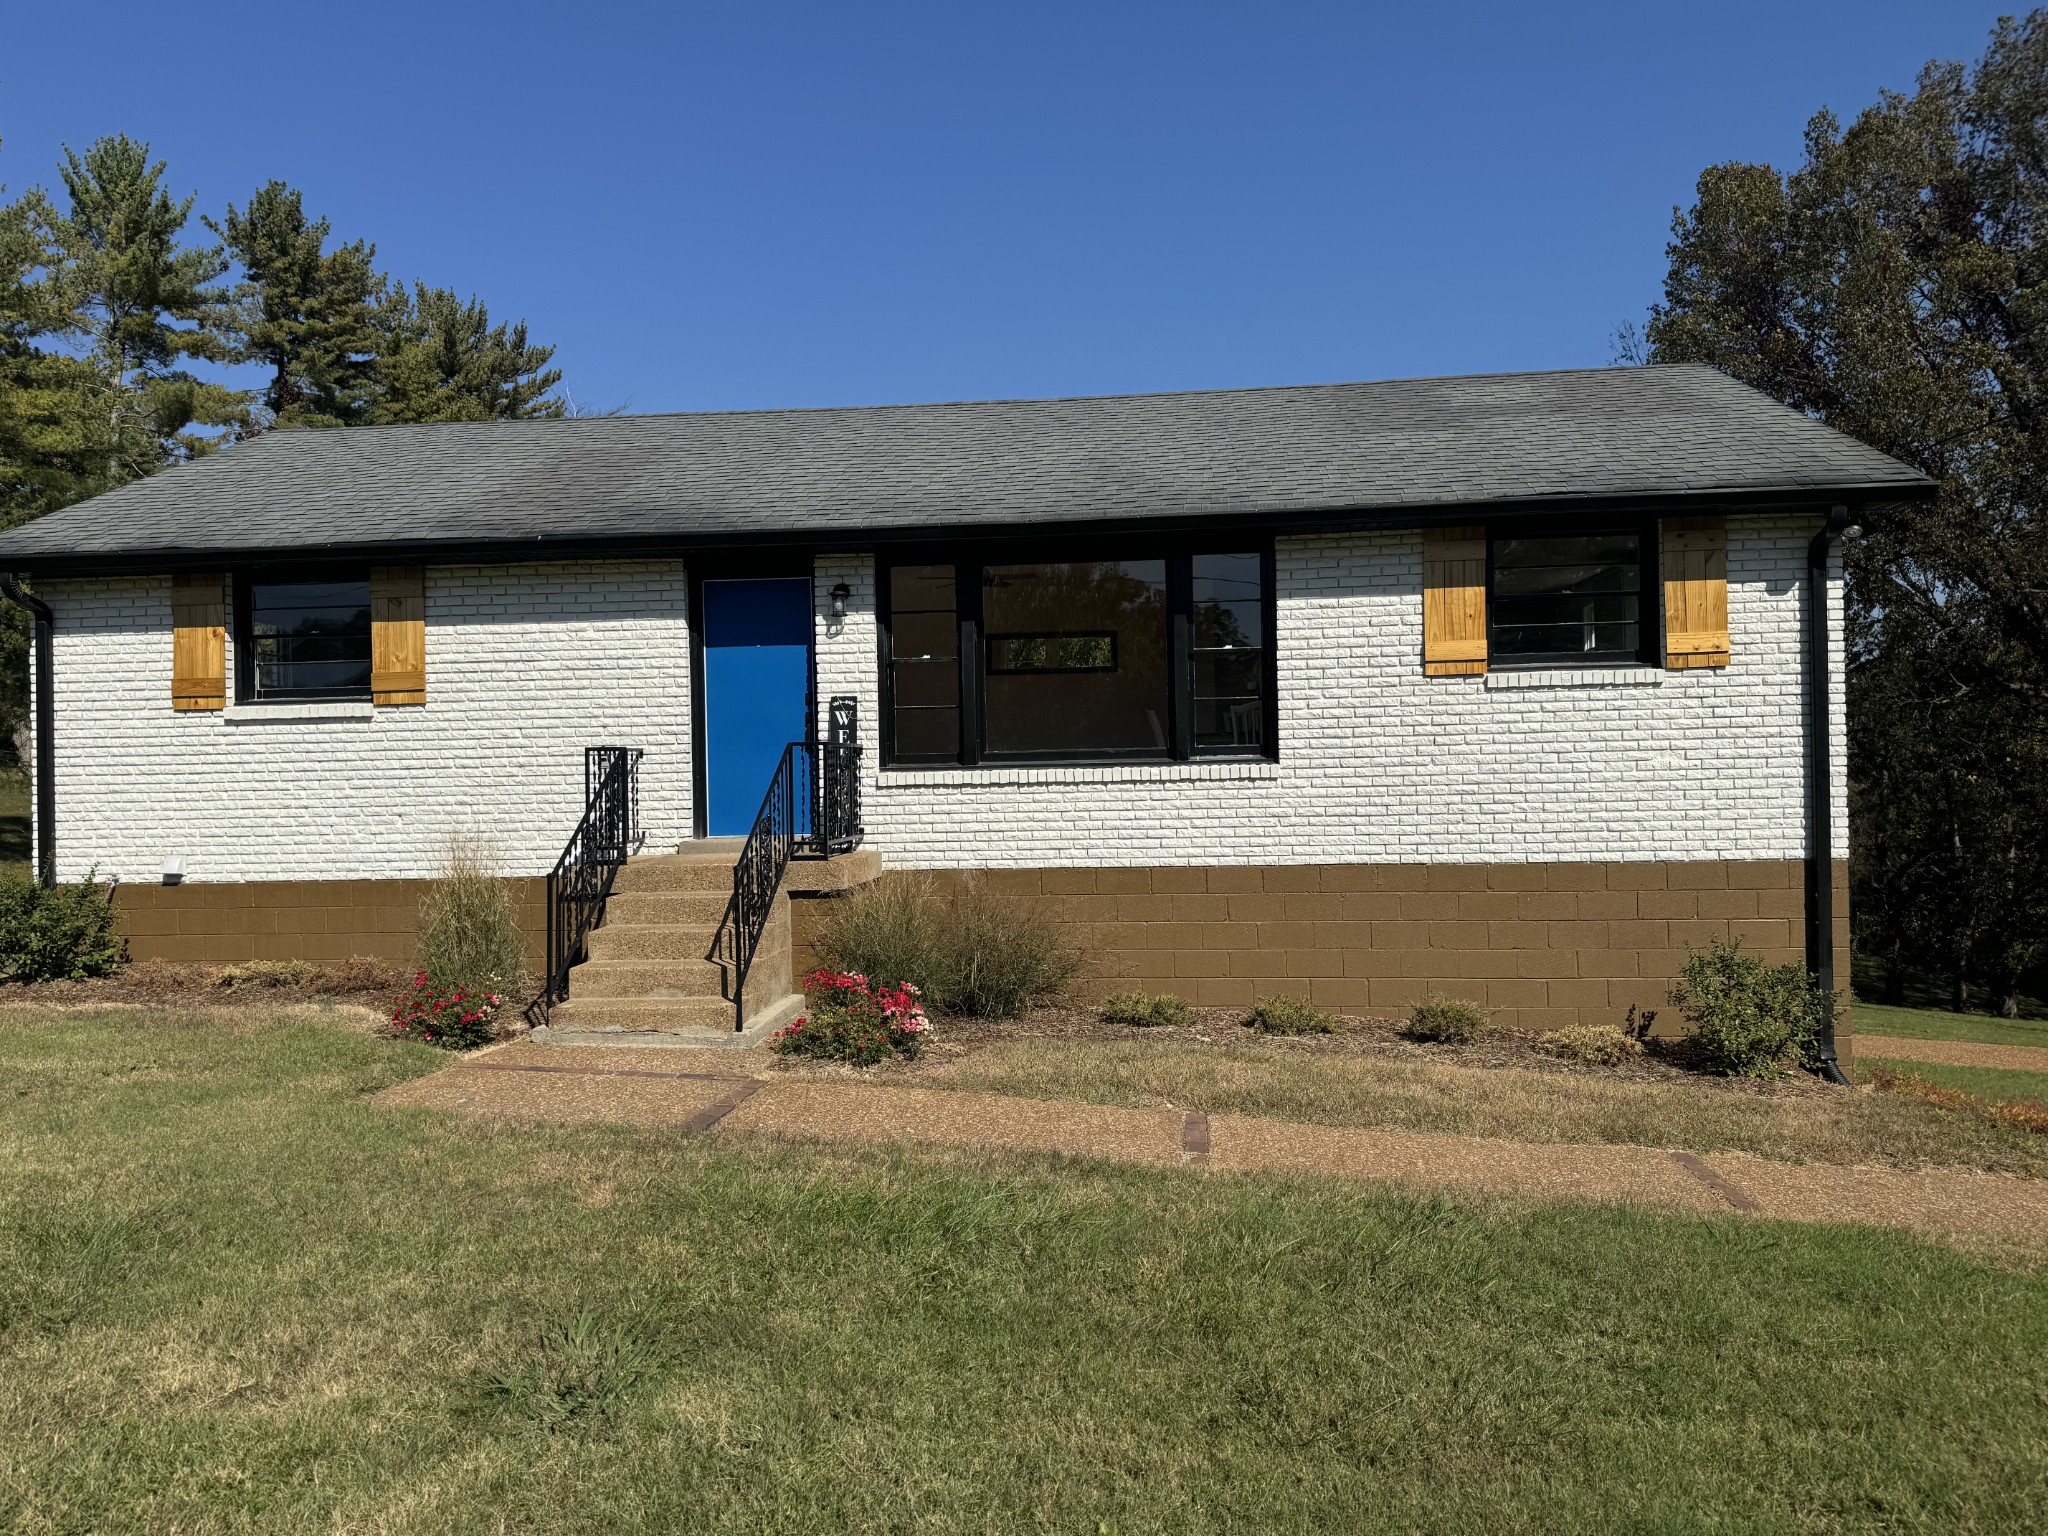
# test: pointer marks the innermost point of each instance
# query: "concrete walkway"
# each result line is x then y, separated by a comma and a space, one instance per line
1954, 1053
651, 1087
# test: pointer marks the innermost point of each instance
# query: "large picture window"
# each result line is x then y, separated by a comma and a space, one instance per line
1139, 654
1569, 598
303, 636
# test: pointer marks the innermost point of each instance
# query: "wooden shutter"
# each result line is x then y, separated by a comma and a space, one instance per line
1454, 602
398, 634
1695, 592
199, 642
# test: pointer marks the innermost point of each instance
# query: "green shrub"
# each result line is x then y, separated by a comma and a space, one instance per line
452, 1017
1599, 1045
65, 934
268, 973
967, 949
1451, 1020
1749, 1019
1141, 1010
469, 933
1288, 1016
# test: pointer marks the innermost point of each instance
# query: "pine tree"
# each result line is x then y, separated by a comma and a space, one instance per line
308, 313
145, 300
443, 360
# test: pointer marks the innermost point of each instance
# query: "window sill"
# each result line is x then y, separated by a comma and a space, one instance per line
302, 709
1578, 677
1200, 771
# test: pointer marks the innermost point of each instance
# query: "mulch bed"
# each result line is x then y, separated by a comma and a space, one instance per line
163, 984
952, 1038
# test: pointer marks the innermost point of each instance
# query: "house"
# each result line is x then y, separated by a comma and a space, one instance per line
1513, 686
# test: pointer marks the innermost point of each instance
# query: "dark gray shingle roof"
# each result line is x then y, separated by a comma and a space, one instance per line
1317, 449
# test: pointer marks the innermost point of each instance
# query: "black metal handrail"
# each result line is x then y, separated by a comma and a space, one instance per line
811, 810
581, 881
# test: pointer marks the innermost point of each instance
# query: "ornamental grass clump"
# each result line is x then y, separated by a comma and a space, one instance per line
469, 929
454, 1018
1447, 1020
65, 933
1288, 1016
851, 1019
966, 948
1140, 1010
1749, 1019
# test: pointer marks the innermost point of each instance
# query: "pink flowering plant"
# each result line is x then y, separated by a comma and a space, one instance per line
454, 1018
852, 1019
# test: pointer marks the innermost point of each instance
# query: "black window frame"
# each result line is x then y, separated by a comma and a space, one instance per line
244, 617
1649, 592
969, 563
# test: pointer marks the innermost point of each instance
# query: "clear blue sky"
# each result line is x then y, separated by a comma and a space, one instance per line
754, 204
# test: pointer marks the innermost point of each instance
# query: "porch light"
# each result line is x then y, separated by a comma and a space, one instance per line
839, 595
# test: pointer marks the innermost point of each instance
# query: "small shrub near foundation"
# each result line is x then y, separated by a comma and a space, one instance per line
967, 949
1598, 1045
1448, 1020
65, 934
469, 931
851, 1019
1749, 1019
454, 1018
1288, 1016
268, 973
1142, 1011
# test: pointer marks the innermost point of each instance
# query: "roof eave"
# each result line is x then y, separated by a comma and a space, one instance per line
510, 550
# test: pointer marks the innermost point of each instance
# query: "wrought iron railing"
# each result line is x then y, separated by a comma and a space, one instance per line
811, 810
581, 882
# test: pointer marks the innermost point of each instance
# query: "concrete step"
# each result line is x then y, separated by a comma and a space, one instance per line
699, 908
676, 872
604, 1021
651, 941
661, 979
583, 1011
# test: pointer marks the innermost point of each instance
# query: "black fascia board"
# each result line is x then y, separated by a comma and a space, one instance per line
513, 551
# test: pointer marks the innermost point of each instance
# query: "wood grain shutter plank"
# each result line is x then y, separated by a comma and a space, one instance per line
1454, 602
398, 634
1695, 560
199, 642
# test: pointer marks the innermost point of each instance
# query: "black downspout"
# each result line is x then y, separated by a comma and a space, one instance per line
1820, 791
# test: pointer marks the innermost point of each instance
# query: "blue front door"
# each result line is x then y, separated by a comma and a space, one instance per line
757, 683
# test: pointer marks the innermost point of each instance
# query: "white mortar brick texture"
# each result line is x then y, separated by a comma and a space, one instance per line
1380, 764
526, 666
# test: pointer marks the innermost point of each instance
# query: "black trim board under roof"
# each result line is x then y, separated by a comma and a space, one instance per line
1298, 459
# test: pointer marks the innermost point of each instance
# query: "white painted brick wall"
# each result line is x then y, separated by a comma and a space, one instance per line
1380, 764
526, 665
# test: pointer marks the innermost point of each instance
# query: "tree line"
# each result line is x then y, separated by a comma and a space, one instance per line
118, 318
1895, 285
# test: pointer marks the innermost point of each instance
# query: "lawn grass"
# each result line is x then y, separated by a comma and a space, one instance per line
237, 1297
1939, 1024
1257, 1077
1999, 1084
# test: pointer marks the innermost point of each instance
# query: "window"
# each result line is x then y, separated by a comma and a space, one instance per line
924, 662
1229, 652
1149, 655
1052, 683
1569, 598
303, 636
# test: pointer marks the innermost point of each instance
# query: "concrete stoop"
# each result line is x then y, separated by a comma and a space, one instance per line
648, 978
